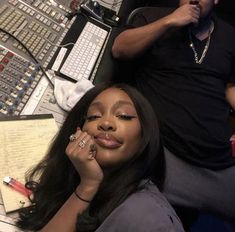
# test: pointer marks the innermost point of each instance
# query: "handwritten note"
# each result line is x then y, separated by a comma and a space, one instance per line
24, 142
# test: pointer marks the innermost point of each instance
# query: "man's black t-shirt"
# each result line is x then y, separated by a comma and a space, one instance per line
189, 98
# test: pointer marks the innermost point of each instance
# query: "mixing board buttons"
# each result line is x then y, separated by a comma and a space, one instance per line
36, 3
18, 78
37, 24
51, 13
20, 107
53, 37
3, 8
33, 22
1, 67
5, 61
5, 38
13, 2
9, 54
3, 110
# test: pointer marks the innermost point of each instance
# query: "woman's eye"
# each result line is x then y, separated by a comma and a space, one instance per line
92, 117
126, 117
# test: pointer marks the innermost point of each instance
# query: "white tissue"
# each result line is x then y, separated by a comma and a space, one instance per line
67, 93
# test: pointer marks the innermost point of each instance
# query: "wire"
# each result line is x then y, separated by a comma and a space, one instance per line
60, 45
30, 53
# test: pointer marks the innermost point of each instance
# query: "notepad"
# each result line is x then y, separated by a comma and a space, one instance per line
24, 141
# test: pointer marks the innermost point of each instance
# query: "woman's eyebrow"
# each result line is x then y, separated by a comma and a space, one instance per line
121, 103
95, 104
116, 104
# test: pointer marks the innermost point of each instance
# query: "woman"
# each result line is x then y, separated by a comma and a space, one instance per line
104, 176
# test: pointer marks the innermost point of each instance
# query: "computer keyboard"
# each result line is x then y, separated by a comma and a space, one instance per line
83, 56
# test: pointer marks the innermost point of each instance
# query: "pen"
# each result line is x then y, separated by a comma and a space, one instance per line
17, 186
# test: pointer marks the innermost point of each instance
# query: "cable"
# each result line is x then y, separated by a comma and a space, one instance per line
30, 53
60, 45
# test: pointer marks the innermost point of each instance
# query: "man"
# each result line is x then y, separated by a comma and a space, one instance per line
187, 60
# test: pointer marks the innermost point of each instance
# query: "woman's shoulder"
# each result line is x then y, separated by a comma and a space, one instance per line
145, 210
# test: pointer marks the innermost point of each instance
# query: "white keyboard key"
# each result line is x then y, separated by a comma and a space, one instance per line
83, 56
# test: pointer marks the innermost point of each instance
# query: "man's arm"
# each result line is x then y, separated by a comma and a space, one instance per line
133, 42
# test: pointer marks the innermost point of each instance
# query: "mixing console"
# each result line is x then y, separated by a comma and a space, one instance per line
39, 25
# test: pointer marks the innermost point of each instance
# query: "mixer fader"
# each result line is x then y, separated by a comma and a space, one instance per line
18, 77
24, 89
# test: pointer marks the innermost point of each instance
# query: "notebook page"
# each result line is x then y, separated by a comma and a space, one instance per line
23, 145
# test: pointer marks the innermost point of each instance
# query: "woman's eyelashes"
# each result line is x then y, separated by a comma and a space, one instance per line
126, 116
92, 117
120, 116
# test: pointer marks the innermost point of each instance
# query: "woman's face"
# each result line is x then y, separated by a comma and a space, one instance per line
114, 123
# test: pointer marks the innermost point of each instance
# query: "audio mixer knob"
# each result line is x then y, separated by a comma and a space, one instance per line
30, 80
16, 101
10, 109
26, 86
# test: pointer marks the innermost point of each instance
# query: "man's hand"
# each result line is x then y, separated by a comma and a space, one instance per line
184, 15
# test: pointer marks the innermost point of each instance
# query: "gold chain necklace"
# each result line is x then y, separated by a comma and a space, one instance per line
199, 61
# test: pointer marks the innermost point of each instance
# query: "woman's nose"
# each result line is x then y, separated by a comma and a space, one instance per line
106, 125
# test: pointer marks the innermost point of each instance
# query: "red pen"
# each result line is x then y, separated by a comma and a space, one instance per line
17, 186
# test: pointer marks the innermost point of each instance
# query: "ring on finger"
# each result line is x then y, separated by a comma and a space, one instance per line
82, 143
72, 138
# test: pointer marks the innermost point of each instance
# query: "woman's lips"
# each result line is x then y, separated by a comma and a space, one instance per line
107, 141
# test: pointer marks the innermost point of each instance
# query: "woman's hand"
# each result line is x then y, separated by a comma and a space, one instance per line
81, 150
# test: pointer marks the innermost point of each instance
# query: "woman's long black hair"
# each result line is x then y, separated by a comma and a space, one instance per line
54, 179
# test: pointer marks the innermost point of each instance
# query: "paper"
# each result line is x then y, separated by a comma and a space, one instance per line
7, 224
24, 141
